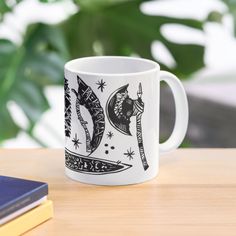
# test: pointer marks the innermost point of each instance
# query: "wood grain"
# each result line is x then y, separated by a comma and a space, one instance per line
194, 194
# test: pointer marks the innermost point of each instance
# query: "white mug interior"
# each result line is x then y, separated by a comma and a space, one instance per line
111, 65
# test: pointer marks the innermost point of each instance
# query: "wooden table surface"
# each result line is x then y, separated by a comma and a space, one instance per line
194, 194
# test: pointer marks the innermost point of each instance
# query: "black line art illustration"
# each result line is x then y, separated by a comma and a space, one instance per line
120, 108
67, 109
129, 153
110, 135
101, 85
138, 111
111, 147
76, 142
91, 165
87, 98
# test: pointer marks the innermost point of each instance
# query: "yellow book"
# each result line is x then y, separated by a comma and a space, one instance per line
28, 220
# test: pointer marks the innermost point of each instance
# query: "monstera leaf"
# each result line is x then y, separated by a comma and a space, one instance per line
101, 27
120, 28
25, 71
4, 8
7, 6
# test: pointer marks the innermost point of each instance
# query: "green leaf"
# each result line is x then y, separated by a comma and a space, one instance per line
31, 99
122, 29
101, 27
49, 1
215, 16
25, 70
232, 10
4, 8
8, 128
91, 5
7, 6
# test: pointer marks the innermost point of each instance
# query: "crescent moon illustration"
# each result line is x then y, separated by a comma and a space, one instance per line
91, 165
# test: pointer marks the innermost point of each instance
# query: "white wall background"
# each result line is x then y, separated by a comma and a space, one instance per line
217, 81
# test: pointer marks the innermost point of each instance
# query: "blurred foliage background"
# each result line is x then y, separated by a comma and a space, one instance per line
96, 27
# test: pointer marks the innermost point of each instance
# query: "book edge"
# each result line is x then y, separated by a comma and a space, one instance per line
22, 210
34, 195
29, 220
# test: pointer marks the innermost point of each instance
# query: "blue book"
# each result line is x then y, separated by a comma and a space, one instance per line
16, 194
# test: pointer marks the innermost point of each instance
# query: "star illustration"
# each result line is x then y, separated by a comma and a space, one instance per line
110, 135
76, 141
101, 85
129, 154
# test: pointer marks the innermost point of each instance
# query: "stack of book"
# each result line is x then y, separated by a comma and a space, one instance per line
23, 205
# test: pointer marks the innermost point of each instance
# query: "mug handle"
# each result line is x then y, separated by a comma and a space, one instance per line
181, 111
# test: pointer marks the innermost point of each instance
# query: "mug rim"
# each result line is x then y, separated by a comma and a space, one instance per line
69, 66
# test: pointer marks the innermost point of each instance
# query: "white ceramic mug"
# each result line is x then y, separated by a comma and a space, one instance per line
112, 119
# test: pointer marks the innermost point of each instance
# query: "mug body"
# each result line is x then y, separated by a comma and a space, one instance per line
111, 120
